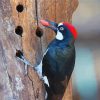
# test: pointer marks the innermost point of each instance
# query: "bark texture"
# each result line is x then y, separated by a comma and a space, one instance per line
14, 85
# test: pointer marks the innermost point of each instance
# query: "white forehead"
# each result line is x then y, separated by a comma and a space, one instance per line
60, 24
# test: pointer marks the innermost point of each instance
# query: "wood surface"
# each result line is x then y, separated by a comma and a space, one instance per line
14, 85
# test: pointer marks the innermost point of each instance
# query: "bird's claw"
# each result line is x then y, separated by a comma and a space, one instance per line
26, 62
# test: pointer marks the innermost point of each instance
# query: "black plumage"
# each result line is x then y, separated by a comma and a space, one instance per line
58, 62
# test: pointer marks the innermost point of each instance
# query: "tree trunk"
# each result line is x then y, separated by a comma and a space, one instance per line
18, 23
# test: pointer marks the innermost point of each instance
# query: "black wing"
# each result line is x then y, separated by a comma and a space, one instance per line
59, 62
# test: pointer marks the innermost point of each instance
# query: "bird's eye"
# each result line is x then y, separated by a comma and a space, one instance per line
61, 28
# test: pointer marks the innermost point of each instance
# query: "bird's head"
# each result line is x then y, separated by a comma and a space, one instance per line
63, 30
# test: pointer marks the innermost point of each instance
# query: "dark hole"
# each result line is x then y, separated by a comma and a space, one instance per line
20, 8
19, 30
19, 53
39, 32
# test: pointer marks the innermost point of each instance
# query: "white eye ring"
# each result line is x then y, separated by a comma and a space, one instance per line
61, 28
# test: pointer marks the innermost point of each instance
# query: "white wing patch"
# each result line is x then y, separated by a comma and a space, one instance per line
59, 36
46, 80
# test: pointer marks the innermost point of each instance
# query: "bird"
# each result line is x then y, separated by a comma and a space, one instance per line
59, 59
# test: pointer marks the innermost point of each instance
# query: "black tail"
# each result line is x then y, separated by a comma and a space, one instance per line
55, 91
49, 92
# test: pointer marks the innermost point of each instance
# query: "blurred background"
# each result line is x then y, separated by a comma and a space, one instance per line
86, 76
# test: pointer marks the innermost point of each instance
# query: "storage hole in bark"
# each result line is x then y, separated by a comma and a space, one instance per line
20, 8
39, 32
19, 53
19, 30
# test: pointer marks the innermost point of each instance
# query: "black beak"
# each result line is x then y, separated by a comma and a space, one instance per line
49, 24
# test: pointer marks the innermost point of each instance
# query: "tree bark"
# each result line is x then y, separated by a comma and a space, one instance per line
14, 85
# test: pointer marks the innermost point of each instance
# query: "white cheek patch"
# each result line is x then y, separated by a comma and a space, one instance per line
59, 36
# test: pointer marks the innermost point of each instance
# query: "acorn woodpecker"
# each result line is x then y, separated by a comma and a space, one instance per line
59, 59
